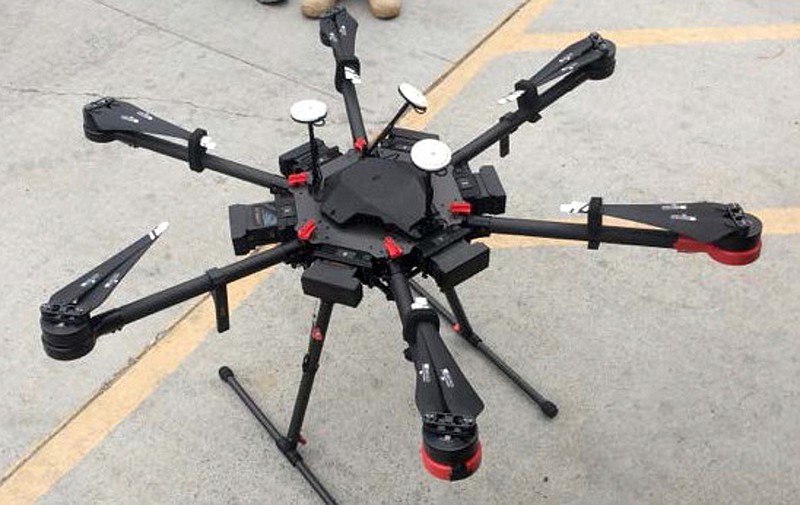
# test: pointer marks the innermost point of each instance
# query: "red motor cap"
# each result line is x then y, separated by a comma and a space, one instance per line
452, 471
726, 256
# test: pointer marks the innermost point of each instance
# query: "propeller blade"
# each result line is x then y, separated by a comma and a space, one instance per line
574, 65
338, 31
91, 289
705, 222
565, 59
428, 395
110, 115
457, 392
589, 54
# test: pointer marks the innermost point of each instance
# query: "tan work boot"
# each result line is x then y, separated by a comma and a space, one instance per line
316, 8
385, 9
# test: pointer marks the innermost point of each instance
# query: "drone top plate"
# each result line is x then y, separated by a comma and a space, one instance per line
308, 111
431, 155
362, 223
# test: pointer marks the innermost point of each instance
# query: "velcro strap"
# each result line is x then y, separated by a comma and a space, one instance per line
594, 221
196, 150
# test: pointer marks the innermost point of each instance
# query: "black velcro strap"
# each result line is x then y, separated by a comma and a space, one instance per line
594, 221
528, 102
219, 292
505, 146
196, 151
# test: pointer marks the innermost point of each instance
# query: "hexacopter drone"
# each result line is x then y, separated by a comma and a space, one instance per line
379, 215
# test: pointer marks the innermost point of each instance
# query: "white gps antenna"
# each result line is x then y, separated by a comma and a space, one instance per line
311, 113
430, 156
412, 97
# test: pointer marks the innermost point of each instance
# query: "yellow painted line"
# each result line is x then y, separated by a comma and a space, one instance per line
776, 221
453, 81
511, 36
659, 36
780, 221
34, 475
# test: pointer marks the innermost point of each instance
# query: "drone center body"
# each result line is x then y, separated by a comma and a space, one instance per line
375, 190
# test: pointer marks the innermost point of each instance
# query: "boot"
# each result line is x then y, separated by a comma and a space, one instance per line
316, 8
385, 9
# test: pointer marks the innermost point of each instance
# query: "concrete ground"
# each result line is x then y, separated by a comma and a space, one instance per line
678, 379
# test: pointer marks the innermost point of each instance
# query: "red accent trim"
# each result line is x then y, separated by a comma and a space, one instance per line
474, 462
360, 144
456, 327
461, 208
438, 470
392, 249
301, 440
304, 232
316, 334
300, 179
688, 245
444, 471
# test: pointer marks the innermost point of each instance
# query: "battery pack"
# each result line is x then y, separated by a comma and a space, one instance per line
457, 263
332, 282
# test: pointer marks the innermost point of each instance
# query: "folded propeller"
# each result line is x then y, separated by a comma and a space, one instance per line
65, 319
593, 56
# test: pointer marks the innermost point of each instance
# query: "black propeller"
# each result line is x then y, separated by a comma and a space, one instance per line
441, 386
449, 406
65, 318
705, 222
111, 115
594, 56
337, 30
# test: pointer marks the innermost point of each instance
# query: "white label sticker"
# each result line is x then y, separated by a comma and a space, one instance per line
575, 208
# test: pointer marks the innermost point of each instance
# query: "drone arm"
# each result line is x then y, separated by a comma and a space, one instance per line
206, 160
732, 250
337, 30
445, 399
590, 58
109, 119
69, 332
400, 289
573, 231
510, 122
441, 386
215, 280
353, 108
